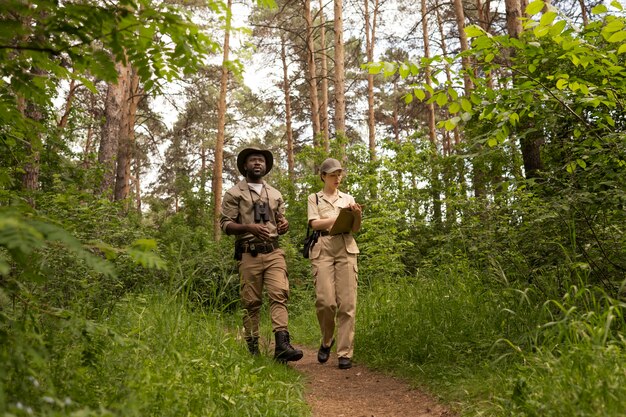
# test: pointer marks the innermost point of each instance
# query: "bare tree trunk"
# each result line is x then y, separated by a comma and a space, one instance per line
370, 39
126, 142
432, 132
114, 106
218, 165
396, 121
325, 124
583, 10
287, 93
312, 73
68, 104
531, 142
444, 52
340, 98
93, 113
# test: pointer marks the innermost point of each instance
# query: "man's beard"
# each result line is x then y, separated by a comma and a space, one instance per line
254, 176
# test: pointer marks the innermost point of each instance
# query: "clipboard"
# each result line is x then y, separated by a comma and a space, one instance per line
344, 222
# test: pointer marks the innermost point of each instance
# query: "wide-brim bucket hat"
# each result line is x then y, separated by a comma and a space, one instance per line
243, 155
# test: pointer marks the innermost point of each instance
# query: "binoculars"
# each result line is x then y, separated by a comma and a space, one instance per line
261, 212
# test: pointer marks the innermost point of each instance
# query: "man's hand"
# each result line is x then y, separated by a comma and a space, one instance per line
259, 230
282, 224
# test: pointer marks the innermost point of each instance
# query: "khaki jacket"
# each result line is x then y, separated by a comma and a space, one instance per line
324, 209
238, 207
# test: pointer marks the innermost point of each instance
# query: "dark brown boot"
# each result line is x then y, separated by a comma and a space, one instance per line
284, 351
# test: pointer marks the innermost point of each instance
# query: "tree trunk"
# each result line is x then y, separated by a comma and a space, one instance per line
432, 132
68, 104
287, 93
218, 165
114, 106
370, 39
312, 73
126, 142
325, 125
530, 143
340, 99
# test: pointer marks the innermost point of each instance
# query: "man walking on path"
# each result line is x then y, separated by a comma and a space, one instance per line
255, 212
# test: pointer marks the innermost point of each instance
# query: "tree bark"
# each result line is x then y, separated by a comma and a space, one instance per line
218, 165
114, 105
370, 39
340, 98
126, 144
325, 124
312, 73
287, 93
432, 132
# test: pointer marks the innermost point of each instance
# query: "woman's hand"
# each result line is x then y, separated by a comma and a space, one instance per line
356, 209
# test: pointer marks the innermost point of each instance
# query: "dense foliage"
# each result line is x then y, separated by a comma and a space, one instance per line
509, 301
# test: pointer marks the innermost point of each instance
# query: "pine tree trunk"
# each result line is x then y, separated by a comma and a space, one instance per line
370, 39
287, 93
312, 73
325, 124
340, 99
221, 127
126, 142
432, 132
114, 106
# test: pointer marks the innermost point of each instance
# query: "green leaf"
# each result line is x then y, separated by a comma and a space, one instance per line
581, 163
442, 99
541, 31
466, 104
419, 93
558, 28
454, 107
389, 69
618, 36
617, 5
408, 99
404, 70
599, 9
547, 18
561, 84
492, 142
473, 31
535, 7
621, 49
375, 68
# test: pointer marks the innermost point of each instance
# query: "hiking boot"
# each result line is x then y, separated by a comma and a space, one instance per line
324, 352
253, 345
345, 363
284, 351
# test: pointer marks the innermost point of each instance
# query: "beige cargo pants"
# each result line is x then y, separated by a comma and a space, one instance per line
335, 273
269, 270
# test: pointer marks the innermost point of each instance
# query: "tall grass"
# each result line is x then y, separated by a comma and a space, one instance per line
493, 349
153, 356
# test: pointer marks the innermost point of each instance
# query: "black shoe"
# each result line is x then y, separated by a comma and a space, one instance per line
284, 351
253, 345
345, 363
324, 352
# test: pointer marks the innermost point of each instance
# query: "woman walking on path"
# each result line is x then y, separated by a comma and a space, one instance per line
334, 264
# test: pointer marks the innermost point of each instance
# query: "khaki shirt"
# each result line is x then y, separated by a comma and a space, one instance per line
238, 207
323, 209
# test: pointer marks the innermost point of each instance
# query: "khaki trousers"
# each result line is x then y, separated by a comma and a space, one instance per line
269, 270
336, 274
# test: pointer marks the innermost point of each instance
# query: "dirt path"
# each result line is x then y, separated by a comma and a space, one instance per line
359, 392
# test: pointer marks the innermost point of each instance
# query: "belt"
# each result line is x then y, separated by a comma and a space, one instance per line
327, 233
258, 247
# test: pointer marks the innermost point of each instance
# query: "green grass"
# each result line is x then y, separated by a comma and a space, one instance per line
488, 348
153, 356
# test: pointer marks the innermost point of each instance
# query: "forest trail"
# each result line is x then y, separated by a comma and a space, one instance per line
360, 392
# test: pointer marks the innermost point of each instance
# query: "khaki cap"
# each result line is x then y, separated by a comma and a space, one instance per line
330, 165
